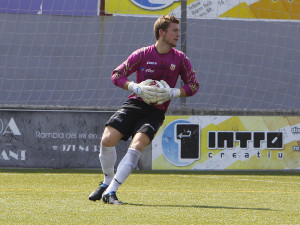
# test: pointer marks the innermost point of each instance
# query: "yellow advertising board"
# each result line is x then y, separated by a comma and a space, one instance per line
227, 143
141, 7
209, 9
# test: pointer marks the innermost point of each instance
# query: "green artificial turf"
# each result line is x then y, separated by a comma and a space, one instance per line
61, 197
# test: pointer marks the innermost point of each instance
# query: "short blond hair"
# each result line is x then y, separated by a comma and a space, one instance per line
163, 23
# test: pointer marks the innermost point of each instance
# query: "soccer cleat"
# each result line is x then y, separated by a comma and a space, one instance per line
111, 198
97, 194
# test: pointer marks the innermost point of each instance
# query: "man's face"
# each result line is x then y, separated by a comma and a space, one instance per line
171, 35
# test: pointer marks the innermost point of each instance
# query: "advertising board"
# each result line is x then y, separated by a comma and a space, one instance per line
52, 139
227, 143
209, 9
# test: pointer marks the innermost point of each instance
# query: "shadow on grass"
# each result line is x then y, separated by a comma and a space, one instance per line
196, 206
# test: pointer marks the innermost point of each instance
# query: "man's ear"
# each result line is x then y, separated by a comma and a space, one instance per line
161, 32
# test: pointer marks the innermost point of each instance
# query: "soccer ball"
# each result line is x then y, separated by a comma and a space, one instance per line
155, 83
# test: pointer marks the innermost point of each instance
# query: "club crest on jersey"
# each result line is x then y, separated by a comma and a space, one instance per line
153, 4
172, 67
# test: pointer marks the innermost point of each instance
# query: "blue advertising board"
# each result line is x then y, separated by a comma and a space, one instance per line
52, 7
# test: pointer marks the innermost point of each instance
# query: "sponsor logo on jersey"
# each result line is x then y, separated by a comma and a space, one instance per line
151, 63
153, 4
149, 71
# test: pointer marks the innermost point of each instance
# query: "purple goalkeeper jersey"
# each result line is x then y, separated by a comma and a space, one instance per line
149, 64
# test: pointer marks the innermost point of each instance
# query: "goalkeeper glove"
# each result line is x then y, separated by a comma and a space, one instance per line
142, 90
166, 93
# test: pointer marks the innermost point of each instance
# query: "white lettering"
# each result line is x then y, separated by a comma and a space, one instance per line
71, 147
151, 63
71, 135
54, 135
93, 136
11, 128
82, 148
68, 148
149, 71
8, 155
4, 155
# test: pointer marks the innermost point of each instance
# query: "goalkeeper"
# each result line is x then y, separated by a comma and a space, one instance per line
144, 111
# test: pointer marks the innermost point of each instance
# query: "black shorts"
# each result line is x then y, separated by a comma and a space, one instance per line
136, 116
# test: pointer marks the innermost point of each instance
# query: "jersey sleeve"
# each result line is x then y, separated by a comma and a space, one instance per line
129, 66
191, 84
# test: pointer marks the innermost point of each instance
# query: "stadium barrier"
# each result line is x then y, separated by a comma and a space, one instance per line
65, 137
